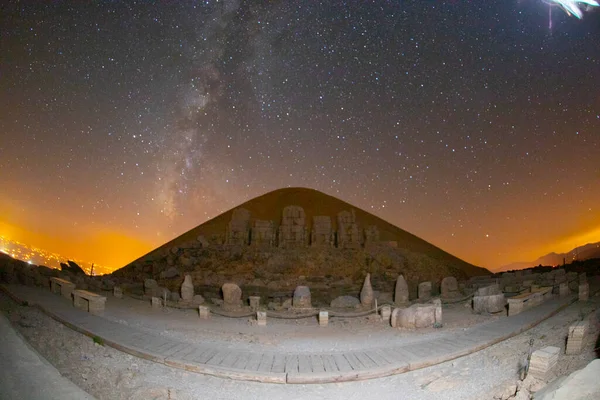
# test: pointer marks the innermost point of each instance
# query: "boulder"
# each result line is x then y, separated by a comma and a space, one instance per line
232, 296
449, 287
302, 297
345, 302
197, 299
366, 294
175, 296
401, 292
169, 273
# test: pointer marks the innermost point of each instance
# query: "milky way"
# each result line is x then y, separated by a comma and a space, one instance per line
467, 123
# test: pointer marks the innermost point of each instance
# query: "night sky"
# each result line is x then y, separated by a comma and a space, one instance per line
471, 124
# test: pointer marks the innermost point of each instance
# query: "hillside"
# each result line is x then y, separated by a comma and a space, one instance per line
213, 255
586, 252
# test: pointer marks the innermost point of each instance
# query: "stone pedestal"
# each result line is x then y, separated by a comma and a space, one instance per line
118, 292
254, 302
576, 337
542, 361
261, 318
386, 312
156, 302
323, 318
204, 312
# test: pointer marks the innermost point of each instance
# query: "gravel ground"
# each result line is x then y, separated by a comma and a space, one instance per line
109, 374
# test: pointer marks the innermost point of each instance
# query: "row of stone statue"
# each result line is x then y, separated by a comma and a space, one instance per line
293, 231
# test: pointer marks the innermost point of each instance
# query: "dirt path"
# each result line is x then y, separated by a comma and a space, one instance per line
109, 374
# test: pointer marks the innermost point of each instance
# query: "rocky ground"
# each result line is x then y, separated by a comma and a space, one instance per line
109, 374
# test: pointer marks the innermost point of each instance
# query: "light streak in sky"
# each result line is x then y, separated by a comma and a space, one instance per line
573, 7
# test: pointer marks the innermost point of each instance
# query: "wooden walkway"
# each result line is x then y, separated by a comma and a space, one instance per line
284, 368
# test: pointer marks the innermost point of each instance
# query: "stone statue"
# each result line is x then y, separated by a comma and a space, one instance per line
263, 234
292, 231
238, 229
321, 234
347, 230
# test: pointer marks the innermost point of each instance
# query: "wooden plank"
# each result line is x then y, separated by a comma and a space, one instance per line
218, 358
189, 349
174, 349
230, 359
403, 354
291, 363
196, 353
353, 361
376, 357
278, 363
304, 364
254, 361
365, 360
329, 363
316, 363
266, 362
204, 357
242, 360
342, 363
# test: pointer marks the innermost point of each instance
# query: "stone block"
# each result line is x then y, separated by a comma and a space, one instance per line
118, 292
261, 318
543, 361
203, 312
386, 312
563, 289
449, 287
489, 304
323, 318
416, 316
424, 290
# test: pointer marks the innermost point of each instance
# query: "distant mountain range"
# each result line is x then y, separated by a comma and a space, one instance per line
590, 250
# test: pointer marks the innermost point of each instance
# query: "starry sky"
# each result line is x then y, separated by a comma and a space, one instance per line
471, 124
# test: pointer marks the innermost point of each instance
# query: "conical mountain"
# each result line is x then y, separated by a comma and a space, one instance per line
321, 240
